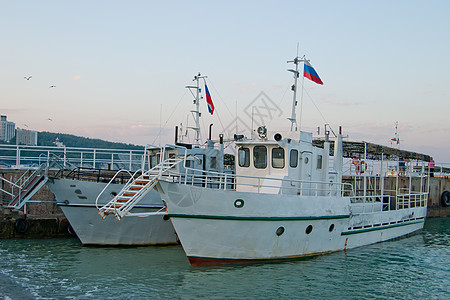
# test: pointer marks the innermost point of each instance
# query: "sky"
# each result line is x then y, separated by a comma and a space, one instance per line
120, 68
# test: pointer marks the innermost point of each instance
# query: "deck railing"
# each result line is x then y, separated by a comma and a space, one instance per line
378, 203
270, 185
22, 156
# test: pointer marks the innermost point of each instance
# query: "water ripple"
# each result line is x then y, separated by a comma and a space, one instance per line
412, 268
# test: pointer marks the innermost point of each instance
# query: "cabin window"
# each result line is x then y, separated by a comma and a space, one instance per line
213, 163
278, 158
154, 160
260, 157
319, 161
244, 157
293, 161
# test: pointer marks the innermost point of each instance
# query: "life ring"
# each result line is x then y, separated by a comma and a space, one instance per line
361, 167
21, 225
445, 199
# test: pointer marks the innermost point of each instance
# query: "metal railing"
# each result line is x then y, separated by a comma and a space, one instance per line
270, 185
378, 203
22, 156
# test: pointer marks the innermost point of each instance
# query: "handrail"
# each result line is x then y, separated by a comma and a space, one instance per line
222, 181
112, 179
166, 163
18, 155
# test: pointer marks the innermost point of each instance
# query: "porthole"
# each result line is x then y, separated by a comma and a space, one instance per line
239, 203
113, 194
166, 217
306, 160
309, 229
280, 230
331, 228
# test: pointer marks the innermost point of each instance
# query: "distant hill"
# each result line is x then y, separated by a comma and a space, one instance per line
48, 139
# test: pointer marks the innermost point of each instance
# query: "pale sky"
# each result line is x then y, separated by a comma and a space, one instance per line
117, 65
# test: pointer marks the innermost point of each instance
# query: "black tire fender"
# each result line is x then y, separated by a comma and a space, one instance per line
445, 199
21, 225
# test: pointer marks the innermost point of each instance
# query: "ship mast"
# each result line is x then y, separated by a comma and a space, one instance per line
196, 113
293, 117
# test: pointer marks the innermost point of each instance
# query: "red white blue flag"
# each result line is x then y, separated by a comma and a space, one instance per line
311, 74
209, 100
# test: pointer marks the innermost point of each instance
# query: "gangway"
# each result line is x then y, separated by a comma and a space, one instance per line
140, 183
24, 188
27, 186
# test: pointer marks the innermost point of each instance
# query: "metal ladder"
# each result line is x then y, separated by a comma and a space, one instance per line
136, 188
27, 186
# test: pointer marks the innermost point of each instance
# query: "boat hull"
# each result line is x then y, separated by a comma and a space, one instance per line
77, 200
223, 227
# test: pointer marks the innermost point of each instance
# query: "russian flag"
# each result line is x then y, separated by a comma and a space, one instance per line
310, 73
209, 100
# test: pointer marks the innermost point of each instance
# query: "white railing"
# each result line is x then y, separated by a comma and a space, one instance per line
271, 185
22, 156
378, 203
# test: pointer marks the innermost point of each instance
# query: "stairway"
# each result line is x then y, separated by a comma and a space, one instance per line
29, 187
136, 189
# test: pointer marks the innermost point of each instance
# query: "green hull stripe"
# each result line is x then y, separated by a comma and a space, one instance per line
243, 218
381, 227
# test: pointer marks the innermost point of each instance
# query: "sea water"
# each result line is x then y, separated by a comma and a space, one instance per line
417, 267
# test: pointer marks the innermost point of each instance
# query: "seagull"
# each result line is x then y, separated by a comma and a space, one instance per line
28, 78
49, 119
52, 86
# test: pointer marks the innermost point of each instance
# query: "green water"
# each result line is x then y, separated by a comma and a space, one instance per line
417, 267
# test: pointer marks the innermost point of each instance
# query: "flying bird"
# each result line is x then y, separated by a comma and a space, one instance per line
28, 78
52, 86
49, 119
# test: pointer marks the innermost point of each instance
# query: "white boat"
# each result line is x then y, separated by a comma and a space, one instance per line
80, 199
290, 198
77, 200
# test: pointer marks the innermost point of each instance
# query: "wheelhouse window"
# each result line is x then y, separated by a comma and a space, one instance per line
244, 157
213, 162
260, 157
293, 160
319, 161
278, 158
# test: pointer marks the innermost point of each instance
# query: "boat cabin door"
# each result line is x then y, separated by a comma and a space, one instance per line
199, 162
306, 173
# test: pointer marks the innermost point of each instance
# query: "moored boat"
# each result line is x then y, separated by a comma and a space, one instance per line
77, 198
80, 199
290, 198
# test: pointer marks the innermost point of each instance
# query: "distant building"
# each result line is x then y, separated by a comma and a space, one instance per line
7, 131
26, 137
